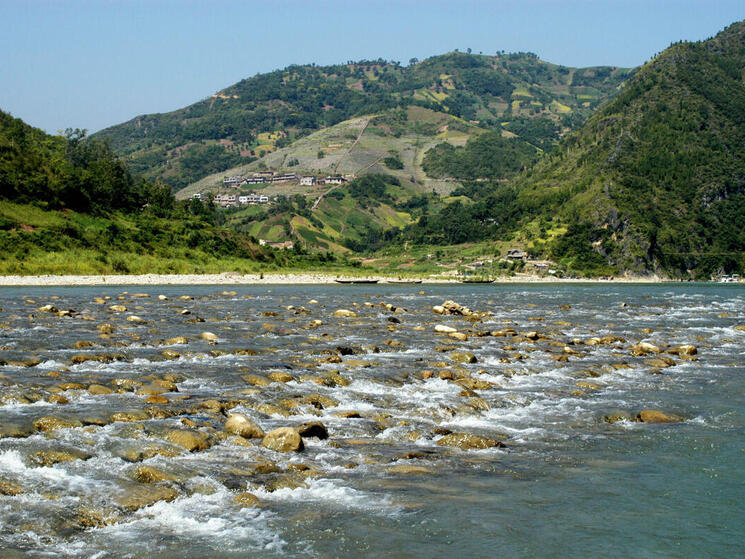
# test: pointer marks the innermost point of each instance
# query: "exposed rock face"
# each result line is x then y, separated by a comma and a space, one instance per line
243, 426
465, 441
283, 439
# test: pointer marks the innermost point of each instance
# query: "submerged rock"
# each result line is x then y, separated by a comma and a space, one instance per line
141, 496
51, 457
247, 500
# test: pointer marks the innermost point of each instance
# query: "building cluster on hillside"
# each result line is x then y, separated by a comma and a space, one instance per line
268, 177
228, 200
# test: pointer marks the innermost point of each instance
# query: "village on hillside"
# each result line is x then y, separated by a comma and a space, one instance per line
226, 200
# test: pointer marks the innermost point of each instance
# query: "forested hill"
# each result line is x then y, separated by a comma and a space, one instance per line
517, 93
655, 181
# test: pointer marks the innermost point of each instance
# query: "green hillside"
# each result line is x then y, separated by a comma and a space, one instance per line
69, 206
655, 181
517, 93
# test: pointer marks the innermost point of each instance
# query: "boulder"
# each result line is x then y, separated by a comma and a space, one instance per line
175, 341
9, 488
313, 429
52, 423
466, 441
150, 474
463, 357
208, 336
118, 308
243, 426
656, 416
685, 349
280, 376
137, 497
444, 329
99, 389
170, 354
51, 457
256, 380
192, 441
130, 416
344, 313
283, 439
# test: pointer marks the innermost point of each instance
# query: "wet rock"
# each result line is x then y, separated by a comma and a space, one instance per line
686, 349
208, 336
643, 348
444, 329
10, 488
256, 380
313, 429
283, 439
247, 500
130, 416
106, 328
126, 384
272, 409
661, 362
617, 415
156, 399
458, 336
406, 469
348, 414
243, 426
137, 497
51, 457
151, 389
287, 481
51, 423
280, 376
320, 401
15, 431
136, 319
192, 441
656, 416
150, 474
57, 399
466, 441
118, 308
463, 357
345, 313
170, 354
99, 389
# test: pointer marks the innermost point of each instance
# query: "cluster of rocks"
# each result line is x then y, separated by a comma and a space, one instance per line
166, 422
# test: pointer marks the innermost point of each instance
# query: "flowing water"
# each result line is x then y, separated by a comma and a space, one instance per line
387, 388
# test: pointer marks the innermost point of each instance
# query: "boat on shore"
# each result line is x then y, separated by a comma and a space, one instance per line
476, 280
404, 282
356, 281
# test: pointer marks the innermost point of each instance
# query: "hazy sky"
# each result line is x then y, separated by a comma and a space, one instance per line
92, 64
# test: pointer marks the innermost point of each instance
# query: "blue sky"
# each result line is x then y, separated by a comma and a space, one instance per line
92, 64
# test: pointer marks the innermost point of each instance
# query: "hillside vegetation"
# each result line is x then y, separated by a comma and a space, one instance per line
69, 206
518, 93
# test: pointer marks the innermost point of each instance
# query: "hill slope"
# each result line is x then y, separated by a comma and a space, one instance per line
655, 181
516, 92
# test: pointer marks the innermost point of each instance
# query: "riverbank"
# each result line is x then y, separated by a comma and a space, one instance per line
308, 278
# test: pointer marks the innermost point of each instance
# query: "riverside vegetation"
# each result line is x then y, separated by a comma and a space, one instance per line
449, 152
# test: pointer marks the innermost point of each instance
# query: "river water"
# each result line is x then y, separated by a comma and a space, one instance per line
388, 388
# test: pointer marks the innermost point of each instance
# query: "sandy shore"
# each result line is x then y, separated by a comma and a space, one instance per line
233, 278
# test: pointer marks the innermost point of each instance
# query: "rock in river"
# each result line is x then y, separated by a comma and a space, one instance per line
283, 439
656, 416
241, 425
465, 441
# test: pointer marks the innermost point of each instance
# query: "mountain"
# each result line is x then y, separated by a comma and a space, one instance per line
515, 93
655, 180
